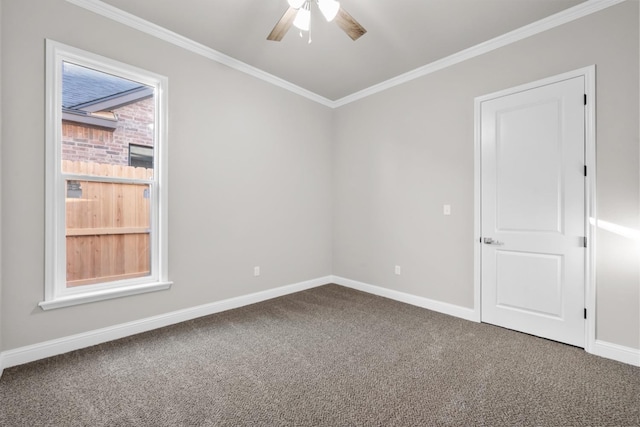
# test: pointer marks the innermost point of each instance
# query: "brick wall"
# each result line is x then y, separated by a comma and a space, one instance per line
82, 142
135, 124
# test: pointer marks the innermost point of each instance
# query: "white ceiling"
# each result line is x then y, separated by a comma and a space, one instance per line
401, 35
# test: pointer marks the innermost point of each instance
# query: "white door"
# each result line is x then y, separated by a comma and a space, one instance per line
533, 211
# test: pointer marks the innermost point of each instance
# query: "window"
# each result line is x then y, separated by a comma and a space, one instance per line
141, 155
106, 197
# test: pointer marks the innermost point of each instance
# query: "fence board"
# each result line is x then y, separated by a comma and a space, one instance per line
107, 226
105, 169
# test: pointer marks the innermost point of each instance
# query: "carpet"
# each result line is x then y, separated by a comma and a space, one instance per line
328, 356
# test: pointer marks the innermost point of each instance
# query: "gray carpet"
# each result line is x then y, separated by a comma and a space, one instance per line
330, 356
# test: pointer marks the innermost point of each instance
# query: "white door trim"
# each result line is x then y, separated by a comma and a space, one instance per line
589, 74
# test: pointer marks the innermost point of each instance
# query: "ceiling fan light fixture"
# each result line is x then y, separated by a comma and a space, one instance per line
296, 4
298, 15
303, 18
329, 8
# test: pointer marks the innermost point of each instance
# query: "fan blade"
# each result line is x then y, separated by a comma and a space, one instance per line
283, 25
349, 25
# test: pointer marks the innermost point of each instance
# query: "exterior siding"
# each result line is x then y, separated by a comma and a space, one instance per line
81, 142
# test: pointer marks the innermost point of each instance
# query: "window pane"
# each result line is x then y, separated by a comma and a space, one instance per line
102, 115
107, 231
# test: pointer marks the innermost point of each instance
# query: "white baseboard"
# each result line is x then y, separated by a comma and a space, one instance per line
440, 307
50, 348
616, 352
600, 348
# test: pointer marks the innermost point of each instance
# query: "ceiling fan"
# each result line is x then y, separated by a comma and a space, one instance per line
299, 15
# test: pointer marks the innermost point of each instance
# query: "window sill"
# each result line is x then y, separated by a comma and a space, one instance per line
88, 297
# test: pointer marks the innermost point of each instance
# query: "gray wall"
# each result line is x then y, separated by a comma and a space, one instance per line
255, 170
249, 172
401, 154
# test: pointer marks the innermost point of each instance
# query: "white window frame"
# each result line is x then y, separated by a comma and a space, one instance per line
56, 292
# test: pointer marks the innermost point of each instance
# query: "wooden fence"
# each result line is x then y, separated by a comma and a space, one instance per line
107, 225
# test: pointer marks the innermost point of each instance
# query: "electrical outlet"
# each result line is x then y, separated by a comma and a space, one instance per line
398, 270
256, 271
446, 209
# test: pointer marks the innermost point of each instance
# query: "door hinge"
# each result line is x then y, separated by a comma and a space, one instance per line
585, 99
585, 170
585, 313
584, 241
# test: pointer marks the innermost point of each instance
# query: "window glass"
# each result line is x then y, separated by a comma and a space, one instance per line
107, 231
107, 223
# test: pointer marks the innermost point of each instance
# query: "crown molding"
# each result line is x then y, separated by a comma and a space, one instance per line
132, 21
579, 11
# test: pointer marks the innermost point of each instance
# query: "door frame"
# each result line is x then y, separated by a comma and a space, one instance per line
589, 74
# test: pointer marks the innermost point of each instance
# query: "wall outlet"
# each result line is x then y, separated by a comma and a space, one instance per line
398, 270
256, 271
446, 209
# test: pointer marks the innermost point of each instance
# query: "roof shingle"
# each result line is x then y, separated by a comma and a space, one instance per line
81, 85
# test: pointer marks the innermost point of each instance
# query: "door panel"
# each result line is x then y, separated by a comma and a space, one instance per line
532, 190
524, 168
529, 282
